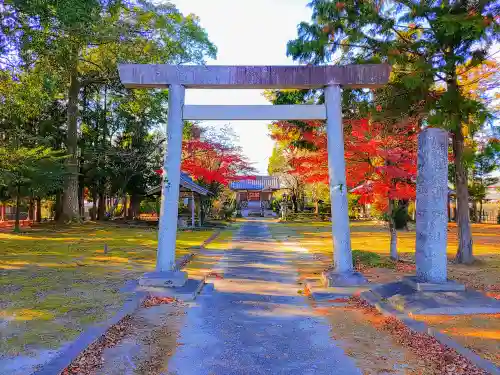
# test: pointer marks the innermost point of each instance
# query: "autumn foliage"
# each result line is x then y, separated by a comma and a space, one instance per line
380, 159
209, 161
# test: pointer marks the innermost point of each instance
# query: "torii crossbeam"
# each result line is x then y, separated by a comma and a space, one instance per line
179, 77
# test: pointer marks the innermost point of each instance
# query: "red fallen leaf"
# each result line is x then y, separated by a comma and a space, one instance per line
216, 275
340, 6
494, 295
155, 301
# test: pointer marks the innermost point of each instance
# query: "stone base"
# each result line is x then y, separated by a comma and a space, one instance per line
188, 292
333, 278
322, 294
169, 279
449, 286
406, 299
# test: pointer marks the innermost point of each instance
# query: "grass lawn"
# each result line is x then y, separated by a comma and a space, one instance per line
55, 281
374, 237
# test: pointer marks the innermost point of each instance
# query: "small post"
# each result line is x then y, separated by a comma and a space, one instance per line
431, 206
343, 273
192, 209
199, 212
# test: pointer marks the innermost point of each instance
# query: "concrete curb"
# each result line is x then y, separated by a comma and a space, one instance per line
89, 336
210, 239
386, 310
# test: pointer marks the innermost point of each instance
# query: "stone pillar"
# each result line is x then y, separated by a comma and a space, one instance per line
167, 232
343, 273
431, 206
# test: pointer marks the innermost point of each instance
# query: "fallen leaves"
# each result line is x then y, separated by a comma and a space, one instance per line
444, 359
215, 275
155, 301
91, 358
405, 267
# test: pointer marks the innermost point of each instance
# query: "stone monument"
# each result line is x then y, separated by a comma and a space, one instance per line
432, 212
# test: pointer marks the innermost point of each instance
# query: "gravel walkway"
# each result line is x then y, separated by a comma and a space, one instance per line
252, 319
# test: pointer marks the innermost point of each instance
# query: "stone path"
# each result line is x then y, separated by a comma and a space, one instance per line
254, 321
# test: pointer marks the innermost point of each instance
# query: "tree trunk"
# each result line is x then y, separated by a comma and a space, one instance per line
393, 231
316, 208
464, 252
101, 209
449, 209
125, 199
81, 198
294, 203
2, 212
58, 207
38, 201
93, 214
480, 211
31, 210
113, 204
135, 204
17, 227
474, 211
70, 195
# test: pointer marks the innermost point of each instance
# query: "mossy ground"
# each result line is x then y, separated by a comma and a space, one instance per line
55, 281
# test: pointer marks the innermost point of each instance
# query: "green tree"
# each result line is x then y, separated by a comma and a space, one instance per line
83, 40
30, 171
428, 43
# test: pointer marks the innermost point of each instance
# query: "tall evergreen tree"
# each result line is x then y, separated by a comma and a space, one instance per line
428, 43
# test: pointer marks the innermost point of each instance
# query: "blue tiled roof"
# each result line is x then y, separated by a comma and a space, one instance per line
259, 183
187, 183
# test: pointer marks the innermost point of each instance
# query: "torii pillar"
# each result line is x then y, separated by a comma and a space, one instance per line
329, 78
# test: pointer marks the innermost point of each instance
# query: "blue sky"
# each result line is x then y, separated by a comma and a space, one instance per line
246, 33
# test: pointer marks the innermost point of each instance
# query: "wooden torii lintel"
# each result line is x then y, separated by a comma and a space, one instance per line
253, 77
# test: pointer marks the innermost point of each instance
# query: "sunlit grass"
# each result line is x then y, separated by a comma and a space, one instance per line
55, 281
374, 237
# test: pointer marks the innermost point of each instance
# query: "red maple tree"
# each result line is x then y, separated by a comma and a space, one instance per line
212, 162
381, 160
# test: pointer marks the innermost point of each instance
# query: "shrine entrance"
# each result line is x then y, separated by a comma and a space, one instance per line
329, 78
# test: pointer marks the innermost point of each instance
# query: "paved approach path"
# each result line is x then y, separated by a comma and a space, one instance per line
253, 321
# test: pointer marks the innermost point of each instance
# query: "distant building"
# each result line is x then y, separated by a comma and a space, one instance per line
254, 195
493, 193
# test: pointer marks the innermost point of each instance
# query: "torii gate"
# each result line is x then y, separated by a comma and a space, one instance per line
177, 78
